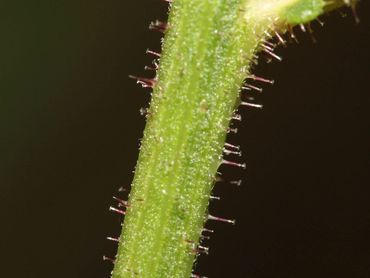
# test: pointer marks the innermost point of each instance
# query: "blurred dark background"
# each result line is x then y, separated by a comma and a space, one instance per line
70, 126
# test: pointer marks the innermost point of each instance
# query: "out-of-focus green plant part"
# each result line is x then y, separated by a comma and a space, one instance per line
207, 53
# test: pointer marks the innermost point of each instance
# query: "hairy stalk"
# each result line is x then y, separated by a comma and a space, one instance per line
208, 50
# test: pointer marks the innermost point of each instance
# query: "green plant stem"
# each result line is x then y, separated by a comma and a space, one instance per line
208, 51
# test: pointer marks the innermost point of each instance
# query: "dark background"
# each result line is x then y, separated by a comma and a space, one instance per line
70, 126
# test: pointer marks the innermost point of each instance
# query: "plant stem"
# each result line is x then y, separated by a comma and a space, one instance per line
208, 50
